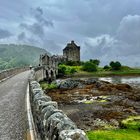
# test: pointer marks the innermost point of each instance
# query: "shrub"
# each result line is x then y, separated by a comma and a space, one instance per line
106, 67
72, 70
115, 65
72, 63
62, 69
89, 66
95, 61
45, 85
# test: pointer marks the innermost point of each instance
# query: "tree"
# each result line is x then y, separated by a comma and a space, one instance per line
115, 65
89, 66
95, 61
106, 67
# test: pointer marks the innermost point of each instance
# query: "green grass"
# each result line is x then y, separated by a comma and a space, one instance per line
77, 71
131, 131
102, 73
132, 122
120, 134
45, 85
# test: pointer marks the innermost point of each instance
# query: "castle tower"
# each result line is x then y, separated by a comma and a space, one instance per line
72, 52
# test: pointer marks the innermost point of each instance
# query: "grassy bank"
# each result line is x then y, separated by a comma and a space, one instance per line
131, 131
120, 134
125, 71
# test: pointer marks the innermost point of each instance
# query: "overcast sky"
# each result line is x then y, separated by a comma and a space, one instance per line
105, 29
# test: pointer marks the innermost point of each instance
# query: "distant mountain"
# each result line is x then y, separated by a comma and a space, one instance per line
12, 55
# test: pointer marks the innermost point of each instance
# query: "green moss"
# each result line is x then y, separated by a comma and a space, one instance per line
88, 102
132, 122
102, 101
45, 85
120, 134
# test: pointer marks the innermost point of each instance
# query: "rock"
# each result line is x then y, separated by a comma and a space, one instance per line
50, 110
57, 123
34, 84
68, 84
98, 84
37, 90
72, 135
114, 122
90, 81
44, 104
42, 98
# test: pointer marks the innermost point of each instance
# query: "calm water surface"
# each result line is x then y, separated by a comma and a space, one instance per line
127, 80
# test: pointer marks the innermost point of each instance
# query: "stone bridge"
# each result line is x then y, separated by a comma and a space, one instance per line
27, 113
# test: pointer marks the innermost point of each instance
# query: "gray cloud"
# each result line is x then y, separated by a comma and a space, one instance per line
129, 29
35, 29
123, 46
21, 36
4, 34
38, 24
38, 14
105, 29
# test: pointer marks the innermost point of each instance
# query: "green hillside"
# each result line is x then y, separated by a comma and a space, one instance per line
12, 55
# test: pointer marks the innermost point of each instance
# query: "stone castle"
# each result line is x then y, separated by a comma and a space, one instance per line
50, 63
72, 52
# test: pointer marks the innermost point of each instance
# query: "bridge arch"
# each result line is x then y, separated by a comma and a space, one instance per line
46, 75
53, 77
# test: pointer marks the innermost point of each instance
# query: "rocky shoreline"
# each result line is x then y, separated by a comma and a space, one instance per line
95, 104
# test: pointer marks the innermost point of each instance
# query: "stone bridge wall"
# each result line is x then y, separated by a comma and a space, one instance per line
10, 72
51, 123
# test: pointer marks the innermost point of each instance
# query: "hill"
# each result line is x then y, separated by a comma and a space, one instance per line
12, 55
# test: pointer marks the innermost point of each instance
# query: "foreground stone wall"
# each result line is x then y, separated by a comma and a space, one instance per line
51, 123
10, 72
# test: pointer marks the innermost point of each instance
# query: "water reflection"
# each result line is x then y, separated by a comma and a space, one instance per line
116, 80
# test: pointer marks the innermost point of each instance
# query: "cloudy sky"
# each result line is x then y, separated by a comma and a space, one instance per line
105, 29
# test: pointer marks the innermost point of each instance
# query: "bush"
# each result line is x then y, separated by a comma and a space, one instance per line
106, 67
89, 66
115, 65
45, 85
62, 69
72, 63
95, 61
72, 70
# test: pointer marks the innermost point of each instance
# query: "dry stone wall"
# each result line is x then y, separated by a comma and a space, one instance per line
51, 123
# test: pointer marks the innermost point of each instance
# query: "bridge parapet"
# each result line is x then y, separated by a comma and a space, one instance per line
10, 72
51, 123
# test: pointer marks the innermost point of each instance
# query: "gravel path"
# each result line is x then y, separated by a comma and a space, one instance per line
12, 107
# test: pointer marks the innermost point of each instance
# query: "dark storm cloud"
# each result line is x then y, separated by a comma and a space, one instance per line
4, 34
